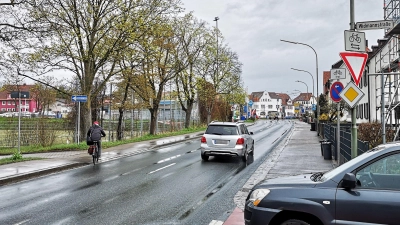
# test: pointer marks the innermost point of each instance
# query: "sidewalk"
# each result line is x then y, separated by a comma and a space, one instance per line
299, 153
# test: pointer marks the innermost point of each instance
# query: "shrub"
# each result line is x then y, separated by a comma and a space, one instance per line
372, 132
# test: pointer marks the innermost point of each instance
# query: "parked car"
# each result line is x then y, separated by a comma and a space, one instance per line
364, 190
6, 114
227, 139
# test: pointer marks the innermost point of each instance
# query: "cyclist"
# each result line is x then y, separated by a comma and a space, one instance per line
96, 132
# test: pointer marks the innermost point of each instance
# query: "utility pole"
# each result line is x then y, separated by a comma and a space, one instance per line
353, 110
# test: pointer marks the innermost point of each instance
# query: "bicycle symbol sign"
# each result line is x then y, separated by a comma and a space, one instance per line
354, 41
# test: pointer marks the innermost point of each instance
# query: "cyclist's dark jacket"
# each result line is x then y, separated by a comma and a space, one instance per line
96, 132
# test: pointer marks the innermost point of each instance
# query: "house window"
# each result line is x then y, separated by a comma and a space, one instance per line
13, 109
3, 102
269, 106
9, 103
13, 102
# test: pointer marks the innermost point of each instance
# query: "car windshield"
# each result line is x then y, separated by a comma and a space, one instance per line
222, 130
332, 173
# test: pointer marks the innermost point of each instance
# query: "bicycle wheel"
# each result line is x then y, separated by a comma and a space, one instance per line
94, 157
97, 153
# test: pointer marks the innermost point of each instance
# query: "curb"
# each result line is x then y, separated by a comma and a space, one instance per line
37, 173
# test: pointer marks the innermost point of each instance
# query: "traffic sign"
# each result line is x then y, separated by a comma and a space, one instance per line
351, 94
372, 25
250, 103
336, 88
79, 98
355, 63
337, 74
354, 41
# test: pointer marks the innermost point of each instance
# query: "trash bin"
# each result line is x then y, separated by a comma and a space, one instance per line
321, 141
326, 150
312, 127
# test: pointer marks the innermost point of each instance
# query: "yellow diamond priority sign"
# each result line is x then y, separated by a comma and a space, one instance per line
351, 94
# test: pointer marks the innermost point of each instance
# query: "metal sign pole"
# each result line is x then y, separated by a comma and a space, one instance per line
338, 132
353, 110
19, 122
79, 120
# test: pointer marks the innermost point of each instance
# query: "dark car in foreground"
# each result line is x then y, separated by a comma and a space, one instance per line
364, 190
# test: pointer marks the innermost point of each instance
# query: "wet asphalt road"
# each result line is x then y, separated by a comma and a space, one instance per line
169, 185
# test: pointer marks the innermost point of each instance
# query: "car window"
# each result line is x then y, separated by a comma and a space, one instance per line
222, 130
242, 129
382, 174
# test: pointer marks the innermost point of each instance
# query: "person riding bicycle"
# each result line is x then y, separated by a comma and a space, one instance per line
96, 132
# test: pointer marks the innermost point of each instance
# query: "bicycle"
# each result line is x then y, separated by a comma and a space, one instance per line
95, 154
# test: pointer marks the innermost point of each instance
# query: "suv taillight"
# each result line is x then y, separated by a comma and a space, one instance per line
203, 139
240, 141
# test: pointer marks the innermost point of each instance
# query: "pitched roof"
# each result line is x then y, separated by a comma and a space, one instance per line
6, 89
255, 96
303, 97
285, 98
274, 95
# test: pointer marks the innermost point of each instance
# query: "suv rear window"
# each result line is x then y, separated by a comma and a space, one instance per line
222, 130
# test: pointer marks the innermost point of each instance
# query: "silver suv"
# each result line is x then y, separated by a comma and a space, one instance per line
227, 139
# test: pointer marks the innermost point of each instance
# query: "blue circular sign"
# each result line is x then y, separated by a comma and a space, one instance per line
250, 103
336, 88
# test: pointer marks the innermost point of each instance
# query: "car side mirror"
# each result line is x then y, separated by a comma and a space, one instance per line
349, 181
251, 133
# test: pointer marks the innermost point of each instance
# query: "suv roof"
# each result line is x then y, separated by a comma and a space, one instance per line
225, 123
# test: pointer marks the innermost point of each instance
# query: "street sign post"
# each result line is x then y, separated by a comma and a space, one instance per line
250, 103
354, 41
337, 74
351, 94
372, 25
336, 88
355, 63
79, 98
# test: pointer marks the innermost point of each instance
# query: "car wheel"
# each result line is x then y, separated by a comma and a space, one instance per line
252, 150
245, 156
204, 157
295, 222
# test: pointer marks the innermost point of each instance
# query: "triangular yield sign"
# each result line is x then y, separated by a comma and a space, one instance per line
355, 63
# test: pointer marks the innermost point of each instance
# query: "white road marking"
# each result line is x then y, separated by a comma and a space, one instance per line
162, 168
22, 222
167, 159
216, 222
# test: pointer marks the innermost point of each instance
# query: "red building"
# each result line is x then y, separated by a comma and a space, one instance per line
8, 104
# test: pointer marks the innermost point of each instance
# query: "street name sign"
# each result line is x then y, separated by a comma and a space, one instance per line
355, 63
79, 98
354, 41
336, 88
372, 25
351, 94
338, 74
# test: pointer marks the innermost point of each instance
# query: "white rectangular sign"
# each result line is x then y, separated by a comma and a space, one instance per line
337, 74
372, 25
354, 41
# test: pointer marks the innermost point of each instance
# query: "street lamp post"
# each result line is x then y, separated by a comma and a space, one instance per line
316, 64
303, 83
311, 77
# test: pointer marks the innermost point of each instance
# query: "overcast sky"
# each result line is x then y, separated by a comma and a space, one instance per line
254, 28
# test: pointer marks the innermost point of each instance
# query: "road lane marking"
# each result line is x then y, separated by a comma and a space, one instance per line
167, 159
161, 168
216, 222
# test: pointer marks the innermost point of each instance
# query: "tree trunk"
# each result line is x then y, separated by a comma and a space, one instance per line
153, 120
120, 131
188, 112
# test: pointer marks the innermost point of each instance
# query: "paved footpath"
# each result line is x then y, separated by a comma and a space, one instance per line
299, 153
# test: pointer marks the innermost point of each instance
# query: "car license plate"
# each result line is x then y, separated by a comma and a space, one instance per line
221, 142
